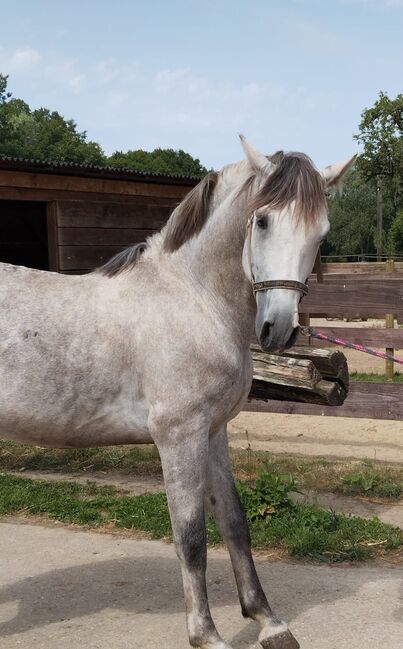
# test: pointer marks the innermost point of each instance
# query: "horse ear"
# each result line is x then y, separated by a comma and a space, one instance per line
333, 174
257, 160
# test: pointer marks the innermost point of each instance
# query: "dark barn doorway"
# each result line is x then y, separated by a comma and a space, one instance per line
24, 234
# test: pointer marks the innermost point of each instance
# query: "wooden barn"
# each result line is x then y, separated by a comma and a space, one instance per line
71, 218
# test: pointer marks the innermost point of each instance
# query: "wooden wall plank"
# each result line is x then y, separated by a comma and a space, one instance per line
76, 183
365, 400
33, 194
359, 267
360, 277
74, 214
102, 236
349, 297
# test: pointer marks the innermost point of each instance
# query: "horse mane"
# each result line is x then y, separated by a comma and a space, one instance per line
294, 178
123, 261
191, 214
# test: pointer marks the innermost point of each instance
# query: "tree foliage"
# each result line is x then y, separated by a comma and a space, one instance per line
353, 214
42, 134
352, 217
4, 94
395, 243
45, 135
381, 134
160, 161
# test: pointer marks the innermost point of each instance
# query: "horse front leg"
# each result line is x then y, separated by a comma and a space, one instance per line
184, 452
223, 500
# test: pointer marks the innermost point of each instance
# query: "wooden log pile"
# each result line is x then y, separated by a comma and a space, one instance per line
308, 375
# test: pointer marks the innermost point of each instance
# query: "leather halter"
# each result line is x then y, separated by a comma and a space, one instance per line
267, 285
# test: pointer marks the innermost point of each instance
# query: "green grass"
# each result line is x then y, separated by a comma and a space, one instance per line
143, 460
300, 530
317, 474
370, 482
363, 376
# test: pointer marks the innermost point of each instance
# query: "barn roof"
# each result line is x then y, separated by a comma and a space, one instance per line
55, 167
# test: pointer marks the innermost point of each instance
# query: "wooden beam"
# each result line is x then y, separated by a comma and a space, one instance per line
349, 297
74, 214
359, 267
45, 195
102, 236
365, 400
75, 183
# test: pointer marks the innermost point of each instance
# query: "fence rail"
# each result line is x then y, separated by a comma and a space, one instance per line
365, 400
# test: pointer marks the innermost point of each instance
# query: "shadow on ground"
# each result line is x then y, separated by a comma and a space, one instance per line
150, 584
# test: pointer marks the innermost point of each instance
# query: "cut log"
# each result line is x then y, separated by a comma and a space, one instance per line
324, 393
331, 363
301, 375
285, 371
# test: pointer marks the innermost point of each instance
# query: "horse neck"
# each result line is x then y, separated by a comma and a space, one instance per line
213, 259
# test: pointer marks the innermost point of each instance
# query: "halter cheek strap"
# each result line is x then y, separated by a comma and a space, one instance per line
267, 285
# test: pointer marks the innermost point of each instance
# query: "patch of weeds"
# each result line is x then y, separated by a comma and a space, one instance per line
377, 378
269, 494
371, 483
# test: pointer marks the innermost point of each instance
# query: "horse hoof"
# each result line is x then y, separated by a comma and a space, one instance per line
283, 640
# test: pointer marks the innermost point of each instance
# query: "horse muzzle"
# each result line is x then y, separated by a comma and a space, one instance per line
276, 325
275, 337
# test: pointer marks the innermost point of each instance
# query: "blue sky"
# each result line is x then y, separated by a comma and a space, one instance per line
290, 74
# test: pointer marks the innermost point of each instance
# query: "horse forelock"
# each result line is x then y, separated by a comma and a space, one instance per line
294, 179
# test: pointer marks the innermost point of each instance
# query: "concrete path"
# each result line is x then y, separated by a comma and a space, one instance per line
63, 588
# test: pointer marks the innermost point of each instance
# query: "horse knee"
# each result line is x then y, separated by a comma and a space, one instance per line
191, 544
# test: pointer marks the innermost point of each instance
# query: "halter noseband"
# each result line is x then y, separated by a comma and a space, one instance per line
267, 285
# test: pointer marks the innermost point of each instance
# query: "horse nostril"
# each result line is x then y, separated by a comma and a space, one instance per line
265, 332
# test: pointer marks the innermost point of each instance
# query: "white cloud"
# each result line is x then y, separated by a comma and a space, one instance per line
21, 60
128, 105
76, 82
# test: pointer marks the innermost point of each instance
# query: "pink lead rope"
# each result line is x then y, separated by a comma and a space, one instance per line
310, 331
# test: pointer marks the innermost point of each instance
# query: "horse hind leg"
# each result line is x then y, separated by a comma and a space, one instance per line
184, 452
223, 500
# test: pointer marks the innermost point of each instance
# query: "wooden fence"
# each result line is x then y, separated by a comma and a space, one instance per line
366, 289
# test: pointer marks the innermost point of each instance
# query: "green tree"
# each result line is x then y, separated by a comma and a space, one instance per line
395, 243
45, 135
159, 161
352, 216
42, 134
4, 95
381, 134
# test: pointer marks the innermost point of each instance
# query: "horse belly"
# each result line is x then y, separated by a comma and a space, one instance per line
108, 426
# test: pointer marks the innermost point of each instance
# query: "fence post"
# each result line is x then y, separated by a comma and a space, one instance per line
390, 323
304, 321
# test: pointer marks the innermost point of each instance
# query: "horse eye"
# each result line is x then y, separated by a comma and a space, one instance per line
262, 223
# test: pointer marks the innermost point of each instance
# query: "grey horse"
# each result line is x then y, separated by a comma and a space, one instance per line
154, 347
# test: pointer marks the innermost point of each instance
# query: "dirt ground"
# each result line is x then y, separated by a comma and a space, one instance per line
99, 591
340, 437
